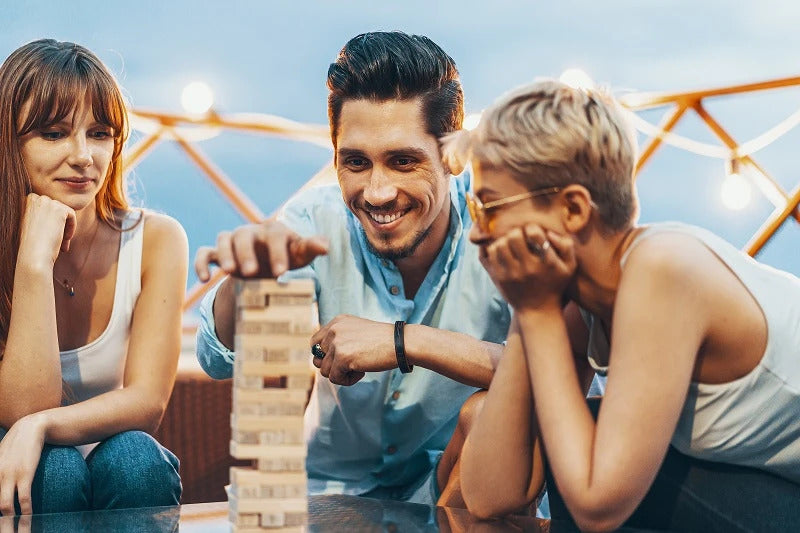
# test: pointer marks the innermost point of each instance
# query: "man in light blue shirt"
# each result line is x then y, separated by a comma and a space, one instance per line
386, 247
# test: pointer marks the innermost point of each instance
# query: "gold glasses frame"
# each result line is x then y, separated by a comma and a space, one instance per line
478, 210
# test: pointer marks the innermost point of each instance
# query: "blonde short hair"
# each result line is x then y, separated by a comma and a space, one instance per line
549, 134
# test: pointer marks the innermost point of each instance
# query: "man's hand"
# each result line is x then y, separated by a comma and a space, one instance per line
353, 346
264, 250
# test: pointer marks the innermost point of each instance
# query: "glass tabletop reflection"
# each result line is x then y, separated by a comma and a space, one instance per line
329, 513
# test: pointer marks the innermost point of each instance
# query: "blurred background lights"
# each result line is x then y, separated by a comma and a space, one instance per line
197, 98
736, 190
575, 77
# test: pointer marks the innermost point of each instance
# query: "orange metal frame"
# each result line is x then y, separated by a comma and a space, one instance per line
170, 126
682, 102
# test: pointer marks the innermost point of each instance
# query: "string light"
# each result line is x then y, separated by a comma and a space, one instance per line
736, 190
197, 98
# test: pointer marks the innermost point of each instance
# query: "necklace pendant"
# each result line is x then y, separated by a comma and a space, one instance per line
72, 291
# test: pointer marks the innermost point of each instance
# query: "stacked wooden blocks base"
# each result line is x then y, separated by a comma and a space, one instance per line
271, 378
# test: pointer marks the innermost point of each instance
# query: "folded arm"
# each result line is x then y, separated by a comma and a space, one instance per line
604, 468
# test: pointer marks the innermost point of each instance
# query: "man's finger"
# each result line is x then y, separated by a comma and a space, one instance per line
205, 256
244, 251
303, 251
225, 257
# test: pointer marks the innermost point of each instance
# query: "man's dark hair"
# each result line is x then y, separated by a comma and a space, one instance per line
382, 66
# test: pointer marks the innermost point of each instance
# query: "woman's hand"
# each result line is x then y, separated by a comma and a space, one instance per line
530, 266
47, 228
20, 451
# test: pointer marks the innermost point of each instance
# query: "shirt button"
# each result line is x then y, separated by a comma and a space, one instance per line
391, 450
394, 289
396, 395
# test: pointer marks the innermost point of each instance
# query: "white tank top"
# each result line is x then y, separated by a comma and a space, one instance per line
753, 420
99, 366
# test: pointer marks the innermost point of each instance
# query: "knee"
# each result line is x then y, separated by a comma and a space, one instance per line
61, 483
131, 469
470, 411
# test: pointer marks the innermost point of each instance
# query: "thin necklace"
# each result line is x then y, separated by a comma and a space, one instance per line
70, 287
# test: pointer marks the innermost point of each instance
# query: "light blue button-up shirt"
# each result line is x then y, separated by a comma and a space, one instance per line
388, 429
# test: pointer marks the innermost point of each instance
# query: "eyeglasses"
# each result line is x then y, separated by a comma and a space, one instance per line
478, 210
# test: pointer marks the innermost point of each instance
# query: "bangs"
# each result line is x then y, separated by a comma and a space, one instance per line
59, 85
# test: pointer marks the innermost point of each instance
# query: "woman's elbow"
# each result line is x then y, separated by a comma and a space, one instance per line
484, 503
152, 415
597, 524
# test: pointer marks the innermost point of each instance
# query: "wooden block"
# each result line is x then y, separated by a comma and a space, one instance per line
272, 320
249, 476
269, 437
269, 395
275, 327
281, 464
251, 483
298, 381
275, 341
274, 458
261, 368
301, 382
271, 353
244, 519
256, 505
260, 293
288, 513
269, 409
254, 383
261, 423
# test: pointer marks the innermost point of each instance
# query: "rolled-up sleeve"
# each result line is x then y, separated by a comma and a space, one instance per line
215, 359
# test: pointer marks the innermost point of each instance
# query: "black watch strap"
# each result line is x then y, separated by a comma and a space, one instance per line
400, 348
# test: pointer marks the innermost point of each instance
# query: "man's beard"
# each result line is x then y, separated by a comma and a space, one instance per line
398, 253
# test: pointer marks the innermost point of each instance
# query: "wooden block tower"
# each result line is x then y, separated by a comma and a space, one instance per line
271, 378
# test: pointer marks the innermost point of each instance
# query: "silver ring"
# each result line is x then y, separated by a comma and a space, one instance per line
539, 249
544, 247
317, 352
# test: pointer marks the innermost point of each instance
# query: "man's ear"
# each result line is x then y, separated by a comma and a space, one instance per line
577, 207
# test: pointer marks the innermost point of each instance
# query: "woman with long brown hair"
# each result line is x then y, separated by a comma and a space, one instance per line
90, 296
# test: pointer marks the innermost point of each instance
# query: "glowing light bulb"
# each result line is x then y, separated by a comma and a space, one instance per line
576, 78
736, 190
471, 121
197, 98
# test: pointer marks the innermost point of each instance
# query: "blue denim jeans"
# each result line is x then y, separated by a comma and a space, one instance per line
129, 469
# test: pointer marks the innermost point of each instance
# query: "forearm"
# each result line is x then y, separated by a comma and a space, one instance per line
30, 370
225, 312
567, 427
100, 417
501, 467
456, 355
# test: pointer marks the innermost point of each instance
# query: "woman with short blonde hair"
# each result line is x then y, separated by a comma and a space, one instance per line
699, 341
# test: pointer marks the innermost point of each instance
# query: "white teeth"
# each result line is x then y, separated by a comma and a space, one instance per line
385, 219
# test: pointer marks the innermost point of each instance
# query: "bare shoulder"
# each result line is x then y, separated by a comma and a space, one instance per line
164, 239
668, 258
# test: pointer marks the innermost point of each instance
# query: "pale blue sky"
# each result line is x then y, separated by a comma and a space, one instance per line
271, 57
